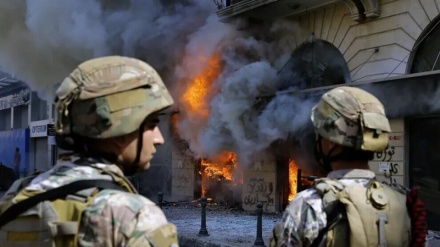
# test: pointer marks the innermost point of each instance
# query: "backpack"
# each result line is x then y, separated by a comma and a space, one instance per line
50, 218
358, 216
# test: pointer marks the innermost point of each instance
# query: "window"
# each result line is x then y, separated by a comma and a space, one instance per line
426, 56
5, 119
424, 164
315, 63
39, 108
21, 117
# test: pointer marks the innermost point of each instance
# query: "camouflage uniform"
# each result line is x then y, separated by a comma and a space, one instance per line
304, 218
103, 98
349, 117
113, 218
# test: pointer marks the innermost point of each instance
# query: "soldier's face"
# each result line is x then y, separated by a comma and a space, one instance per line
151, 137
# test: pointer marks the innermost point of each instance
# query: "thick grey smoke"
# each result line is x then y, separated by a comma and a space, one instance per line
241, 119
44, 40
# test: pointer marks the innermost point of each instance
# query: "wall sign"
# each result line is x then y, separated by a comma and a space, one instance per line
19, 97
38, 128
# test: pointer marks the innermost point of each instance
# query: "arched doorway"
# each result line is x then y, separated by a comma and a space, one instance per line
426, 52
314, 63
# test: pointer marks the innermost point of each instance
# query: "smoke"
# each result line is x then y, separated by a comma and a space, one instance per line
407, 98
42, 41
241, 119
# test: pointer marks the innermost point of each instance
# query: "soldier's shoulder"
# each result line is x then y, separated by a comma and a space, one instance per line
119, 203
305, 201
309, 196
117, 198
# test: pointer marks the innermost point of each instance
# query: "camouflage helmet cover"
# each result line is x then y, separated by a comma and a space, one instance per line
109, 96
352, 117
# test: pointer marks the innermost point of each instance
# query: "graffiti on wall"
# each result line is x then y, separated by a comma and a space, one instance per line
386, 155
390, 174
183, 172
389, 164
259, 190
390, 171
182, 179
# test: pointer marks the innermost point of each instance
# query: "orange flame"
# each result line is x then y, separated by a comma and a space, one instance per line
195, 94
196, 102
222, 168
293, 175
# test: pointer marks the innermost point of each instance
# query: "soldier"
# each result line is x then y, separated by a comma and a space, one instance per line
107, 111
349, 207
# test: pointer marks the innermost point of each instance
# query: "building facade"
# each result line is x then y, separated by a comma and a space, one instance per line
390, 48
25, 122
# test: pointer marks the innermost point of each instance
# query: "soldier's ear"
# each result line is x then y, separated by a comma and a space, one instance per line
120, 142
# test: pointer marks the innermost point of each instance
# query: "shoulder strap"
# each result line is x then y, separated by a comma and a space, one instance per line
165, 235
15, 210
335, 210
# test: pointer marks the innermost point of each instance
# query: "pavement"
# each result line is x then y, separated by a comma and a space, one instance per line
227, 226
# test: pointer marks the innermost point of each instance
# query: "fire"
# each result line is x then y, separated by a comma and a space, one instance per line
222, 168
293, 179
196, 106
201, 86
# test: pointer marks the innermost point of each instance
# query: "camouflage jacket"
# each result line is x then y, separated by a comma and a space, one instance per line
113, 218
304, 217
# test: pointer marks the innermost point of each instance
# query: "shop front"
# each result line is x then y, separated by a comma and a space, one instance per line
41, 145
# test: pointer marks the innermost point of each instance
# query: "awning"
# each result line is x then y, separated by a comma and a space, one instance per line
8, 83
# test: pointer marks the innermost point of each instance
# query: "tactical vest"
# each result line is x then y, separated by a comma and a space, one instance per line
54, 220
358, 216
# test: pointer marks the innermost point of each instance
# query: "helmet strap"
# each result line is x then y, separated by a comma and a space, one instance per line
325, 160
131, 170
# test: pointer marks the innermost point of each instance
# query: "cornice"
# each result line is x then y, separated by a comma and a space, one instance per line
361, 10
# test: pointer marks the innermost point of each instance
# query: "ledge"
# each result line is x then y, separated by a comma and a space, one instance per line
241, 7
360, 10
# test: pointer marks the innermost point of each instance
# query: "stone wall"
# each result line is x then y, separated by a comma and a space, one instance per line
395, 33
389, 165
259, 185
182, 178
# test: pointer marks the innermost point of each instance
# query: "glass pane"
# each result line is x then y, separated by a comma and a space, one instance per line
39, 108
5, 119
20, 117
424, 158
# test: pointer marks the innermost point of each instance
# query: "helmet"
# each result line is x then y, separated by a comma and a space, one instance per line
109, 96
352, 117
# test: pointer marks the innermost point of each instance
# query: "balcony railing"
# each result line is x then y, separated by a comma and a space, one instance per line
272, 9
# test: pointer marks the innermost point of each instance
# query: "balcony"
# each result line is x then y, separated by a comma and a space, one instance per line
266, 10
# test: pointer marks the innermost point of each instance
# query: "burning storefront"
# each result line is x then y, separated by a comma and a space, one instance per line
236, 91
207, 161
